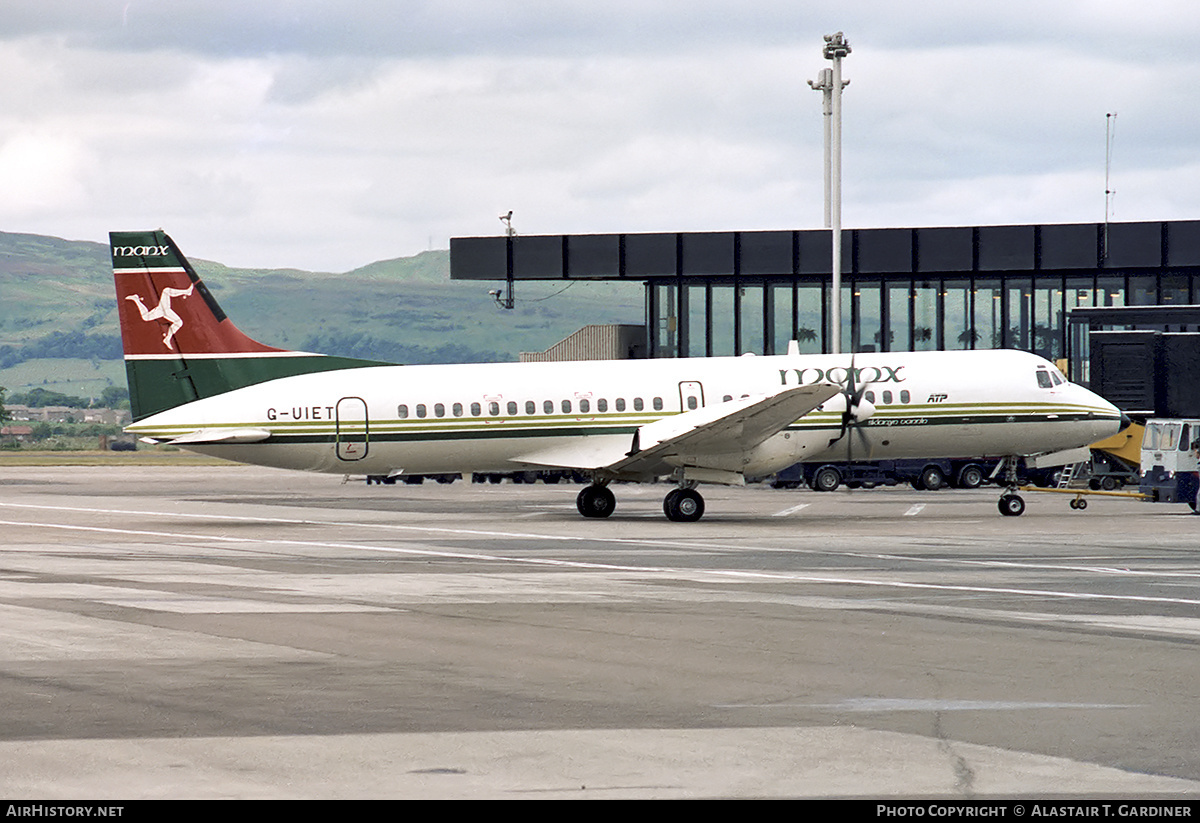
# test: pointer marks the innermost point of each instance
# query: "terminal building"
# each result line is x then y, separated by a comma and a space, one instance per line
1069, 292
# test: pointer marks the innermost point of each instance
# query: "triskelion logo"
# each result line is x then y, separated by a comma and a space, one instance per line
163, 311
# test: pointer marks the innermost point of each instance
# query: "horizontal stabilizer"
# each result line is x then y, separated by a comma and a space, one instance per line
220, 436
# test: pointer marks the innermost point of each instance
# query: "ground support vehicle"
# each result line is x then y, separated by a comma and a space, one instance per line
927, 475
1169, 460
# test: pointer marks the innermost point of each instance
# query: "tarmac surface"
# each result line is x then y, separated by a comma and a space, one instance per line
233, 632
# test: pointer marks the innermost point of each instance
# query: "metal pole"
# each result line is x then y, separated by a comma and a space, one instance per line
824, 84
836, 48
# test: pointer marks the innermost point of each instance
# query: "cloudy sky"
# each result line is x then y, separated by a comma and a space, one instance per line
326, 135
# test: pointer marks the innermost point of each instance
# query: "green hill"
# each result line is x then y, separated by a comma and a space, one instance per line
59, 329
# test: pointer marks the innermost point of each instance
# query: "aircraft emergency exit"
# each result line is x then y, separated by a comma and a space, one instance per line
196, 381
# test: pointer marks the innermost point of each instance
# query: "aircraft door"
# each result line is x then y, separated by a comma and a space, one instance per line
691, 395
353, 431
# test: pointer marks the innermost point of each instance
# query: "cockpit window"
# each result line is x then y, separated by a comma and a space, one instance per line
1043, 378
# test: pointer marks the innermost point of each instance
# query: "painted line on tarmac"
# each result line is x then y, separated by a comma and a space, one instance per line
677, 572
791, 510
915, 510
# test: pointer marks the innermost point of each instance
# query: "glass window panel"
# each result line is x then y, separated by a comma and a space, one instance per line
1048, 318
666, 323
1173, 288
1143, 290
1018, 321
722, 321
956, 313
868, 304
925, 325
751, 318
899, 300
697, 331
809, 311
987, 314
1110, 290
781, 316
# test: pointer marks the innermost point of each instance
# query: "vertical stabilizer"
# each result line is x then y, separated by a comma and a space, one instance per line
179, 345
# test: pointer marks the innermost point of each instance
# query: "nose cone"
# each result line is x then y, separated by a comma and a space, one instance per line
1106, 419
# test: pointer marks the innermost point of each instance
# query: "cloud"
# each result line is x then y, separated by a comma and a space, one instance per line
310, 134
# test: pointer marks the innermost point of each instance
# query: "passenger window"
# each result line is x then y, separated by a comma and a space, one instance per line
548, 407
620, 404
904, 396
584, 406
638, 405
887, 397
439, 410
530, 407
457, 409
870, 396
601, 405
420, 410
402, 411
475, 410
658, 404
566, 406
494, 409
692, 403
512, 408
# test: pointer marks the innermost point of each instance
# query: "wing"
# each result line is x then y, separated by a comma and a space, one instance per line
723, 428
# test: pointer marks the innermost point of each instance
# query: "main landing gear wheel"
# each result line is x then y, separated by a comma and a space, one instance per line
596, 501
1079, 504
683, 505
1012, 505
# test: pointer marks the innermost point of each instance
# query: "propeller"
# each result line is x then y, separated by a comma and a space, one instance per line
856, 412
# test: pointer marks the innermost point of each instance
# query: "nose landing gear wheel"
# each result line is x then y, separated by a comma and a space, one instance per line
596, 501
1012, 505
683, 505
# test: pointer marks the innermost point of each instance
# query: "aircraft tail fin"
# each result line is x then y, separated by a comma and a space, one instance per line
179, 344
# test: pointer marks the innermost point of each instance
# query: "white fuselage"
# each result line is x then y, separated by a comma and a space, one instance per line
501, 417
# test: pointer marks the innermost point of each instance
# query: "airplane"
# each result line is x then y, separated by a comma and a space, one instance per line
198, 382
